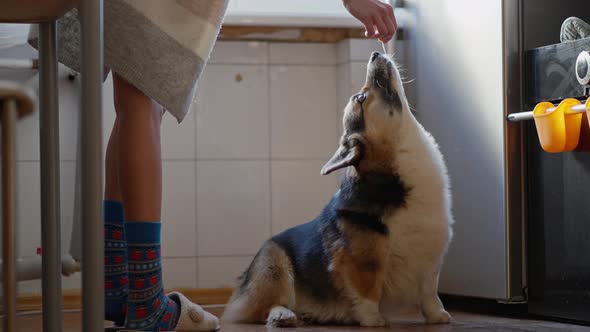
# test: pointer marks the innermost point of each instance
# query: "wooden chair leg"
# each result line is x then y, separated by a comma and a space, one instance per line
9, 236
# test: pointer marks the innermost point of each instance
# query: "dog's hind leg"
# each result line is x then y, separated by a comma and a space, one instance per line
266, 290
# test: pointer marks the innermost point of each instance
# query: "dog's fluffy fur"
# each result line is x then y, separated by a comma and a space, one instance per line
380, 241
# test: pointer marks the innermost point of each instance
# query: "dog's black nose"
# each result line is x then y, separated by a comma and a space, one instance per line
375, 55
361, 97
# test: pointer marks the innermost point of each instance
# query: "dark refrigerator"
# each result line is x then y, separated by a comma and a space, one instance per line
557, 184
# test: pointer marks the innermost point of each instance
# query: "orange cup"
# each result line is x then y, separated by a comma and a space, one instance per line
558, 129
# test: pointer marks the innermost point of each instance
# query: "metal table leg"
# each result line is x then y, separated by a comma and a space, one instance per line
91, 14
9, 213
50, 205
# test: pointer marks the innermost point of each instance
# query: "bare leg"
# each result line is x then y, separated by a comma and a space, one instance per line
115, 247
139, 166
139, 155
112, 188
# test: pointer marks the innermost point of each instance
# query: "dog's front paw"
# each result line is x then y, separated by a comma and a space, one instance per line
373, 321
281, 317
440, 317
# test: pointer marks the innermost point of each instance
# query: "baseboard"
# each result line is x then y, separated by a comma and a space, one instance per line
291, 34
294, 34
72, 300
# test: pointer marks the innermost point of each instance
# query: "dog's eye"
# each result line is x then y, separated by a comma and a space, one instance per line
380, 82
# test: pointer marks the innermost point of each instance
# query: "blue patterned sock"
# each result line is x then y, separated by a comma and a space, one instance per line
116, 280
148, 308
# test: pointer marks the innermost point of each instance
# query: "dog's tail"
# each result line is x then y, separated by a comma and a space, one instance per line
237, 309
268, 282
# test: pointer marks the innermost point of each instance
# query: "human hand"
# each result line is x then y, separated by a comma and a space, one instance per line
376, 16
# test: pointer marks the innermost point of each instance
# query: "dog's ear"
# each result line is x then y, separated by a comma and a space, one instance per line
348, 154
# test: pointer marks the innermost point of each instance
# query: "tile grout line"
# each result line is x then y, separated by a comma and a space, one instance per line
195, 207
252, 159
29, 161
262, 64
210, 256
269, 103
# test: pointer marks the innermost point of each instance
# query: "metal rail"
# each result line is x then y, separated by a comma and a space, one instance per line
523, 116
50, 207
91, 19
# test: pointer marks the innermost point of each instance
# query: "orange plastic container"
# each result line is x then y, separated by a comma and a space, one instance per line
559, 129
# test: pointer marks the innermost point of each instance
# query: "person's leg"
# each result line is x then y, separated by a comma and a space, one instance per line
115, 249
140, 181
140, 164
112, 189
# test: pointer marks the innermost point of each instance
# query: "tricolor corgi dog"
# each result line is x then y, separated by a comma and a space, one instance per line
380, 241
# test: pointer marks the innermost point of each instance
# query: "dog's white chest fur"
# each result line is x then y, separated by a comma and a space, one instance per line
420, 232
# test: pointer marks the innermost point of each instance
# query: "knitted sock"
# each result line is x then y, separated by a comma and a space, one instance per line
116, 279
148, 308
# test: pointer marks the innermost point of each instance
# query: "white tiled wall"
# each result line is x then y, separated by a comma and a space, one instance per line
233, 207
244, 165
178, 209
299, 192
302, 118
233, 113
216, 272
180, 272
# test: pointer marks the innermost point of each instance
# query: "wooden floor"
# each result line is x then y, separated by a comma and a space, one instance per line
461, 322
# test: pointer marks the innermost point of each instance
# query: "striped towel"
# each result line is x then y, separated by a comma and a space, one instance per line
159, 46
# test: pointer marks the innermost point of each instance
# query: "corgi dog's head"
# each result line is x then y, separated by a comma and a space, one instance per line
371, 119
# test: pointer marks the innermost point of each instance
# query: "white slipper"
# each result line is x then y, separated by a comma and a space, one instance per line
192, 316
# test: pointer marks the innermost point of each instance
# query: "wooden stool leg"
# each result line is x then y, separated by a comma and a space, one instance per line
9, 213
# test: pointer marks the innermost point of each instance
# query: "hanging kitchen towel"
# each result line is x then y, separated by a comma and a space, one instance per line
574, 28
161, 47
